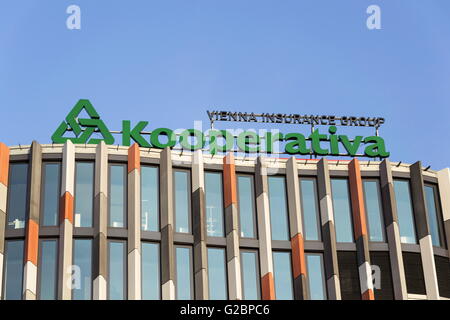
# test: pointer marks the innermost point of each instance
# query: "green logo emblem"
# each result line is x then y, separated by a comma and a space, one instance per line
83, 128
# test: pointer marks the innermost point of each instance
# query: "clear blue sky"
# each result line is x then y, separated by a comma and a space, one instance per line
169, 61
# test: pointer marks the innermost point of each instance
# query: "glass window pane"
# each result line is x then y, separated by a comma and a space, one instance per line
433, 216
150, 198
51, 194
405, 211
117, 195
150, 271
84, 194
246, 207
309, 201
217, 278
282, 275
117, 267
82, 261
278, 209
316, 277
250, 275
341, 210
17, 197
48, 270
182, 201
214, 204
184, 273
374, 212
13, 276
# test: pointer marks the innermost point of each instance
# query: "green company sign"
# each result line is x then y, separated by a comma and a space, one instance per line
316, 143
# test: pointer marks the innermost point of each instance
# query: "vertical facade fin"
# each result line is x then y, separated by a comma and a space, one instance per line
167, 226
66, 221
232, 227
265, 237
392, 230
328, 231
32, 228
4, 171
360, 230
199, 228
296, 227
134, 222
423, 231
100, 265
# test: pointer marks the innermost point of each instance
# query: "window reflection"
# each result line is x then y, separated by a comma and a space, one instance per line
310, 212
342, 211
217, 278
374, 212
48, 269
82, 261
282, 274
278, 208
182, 205
434, 217
13, 274
405, 211
117, 196
250, 275
17, 195
214, 204
184, 273
150, 198
246, 207
117, 270
51, 194
150, 271
316, 278
84, 194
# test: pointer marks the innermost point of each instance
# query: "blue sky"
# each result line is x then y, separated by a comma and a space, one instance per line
169, 61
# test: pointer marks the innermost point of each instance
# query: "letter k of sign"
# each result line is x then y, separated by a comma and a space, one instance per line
83, 128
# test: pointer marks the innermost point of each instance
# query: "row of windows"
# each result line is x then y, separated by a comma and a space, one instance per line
84, 194
151, 286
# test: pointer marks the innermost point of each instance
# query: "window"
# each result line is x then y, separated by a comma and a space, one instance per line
117, 196
278, 208
217, 278
117, 270
18, 195
214, 204
84, 194
316, 278
182, 201
247, 217
50, 193
374, 213
82, 261
48, 269
310, 211
434, 216
250, 275
150, 198
13, 274
342, 211
184, 282
282, 275
150, 271
405, 211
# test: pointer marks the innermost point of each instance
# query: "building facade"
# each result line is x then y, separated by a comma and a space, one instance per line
109, 222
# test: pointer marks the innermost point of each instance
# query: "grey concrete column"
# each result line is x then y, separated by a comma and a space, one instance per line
423, 231
296, 227
392, 231
4, 172
199, 228
100, 249
328, 231
444, 192
66, 222
264, 231
167, 226
32, 229
134, 222
232, 227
